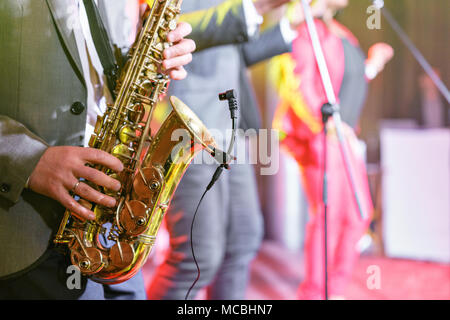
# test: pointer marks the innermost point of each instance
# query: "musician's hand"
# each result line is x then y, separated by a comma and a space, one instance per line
379, 55
180, 53
59, 169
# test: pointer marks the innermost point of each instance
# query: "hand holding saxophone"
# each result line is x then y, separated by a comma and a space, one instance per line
58, 172
180, 53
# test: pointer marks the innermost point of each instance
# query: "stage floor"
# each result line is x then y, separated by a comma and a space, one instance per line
276, 273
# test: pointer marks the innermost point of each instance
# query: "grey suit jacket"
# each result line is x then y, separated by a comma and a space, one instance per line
41, 105
43, 101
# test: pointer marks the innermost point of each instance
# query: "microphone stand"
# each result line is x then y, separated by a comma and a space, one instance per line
330, 109
223, 158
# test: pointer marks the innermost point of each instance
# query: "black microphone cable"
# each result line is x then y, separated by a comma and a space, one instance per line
223, 159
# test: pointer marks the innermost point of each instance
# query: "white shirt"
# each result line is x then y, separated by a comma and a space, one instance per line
253, 20
92, 71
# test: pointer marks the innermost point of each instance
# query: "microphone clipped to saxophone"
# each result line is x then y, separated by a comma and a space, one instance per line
153, 164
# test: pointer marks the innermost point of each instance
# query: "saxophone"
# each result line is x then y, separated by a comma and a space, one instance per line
113, 247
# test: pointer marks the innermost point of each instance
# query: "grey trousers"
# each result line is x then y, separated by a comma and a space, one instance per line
48, 281
227, 233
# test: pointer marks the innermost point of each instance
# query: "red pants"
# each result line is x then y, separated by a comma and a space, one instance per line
344, 225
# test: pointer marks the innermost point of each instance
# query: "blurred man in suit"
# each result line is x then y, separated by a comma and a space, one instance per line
299, 119
229, 226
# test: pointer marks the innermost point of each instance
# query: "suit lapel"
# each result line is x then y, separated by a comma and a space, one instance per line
64, 15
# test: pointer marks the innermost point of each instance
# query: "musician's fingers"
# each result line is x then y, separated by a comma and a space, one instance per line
177, 62
71, 204
92, 195
182, 30
98, 177
178, 73
97, 156
181, 48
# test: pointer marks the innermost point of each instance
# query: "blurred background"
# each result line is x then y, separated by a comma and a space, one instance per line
407, 160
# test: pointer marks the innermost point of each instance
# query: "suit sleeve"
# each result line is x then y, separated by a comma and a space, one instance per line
20, 151
219, 25
269, 44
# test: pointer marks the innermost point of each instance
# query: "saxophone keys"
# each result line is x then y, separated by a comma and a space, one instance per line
127, 134
146, 88
122, 152
99, 212
147, 183
136, 112
89, 260
121, 255
98, 125
157, 49
134, 217
93, 141
172, 24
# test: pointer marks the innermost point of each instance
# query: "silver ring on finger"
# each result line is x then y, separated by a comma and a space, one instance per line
75, 186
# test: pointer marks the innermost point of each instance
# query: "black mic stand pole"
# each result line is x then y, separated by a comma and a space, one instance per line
329, 109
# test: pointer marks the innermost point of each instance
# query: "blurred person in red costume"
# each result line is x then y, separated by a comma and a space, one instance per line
298, 118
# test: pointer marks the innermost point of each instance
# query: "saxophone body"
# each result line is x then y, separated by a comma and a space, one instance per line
113, 247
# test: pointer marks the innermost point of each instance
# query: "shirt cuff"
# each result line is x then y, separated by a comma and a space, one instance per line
27, 183
287, 32
252, 18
